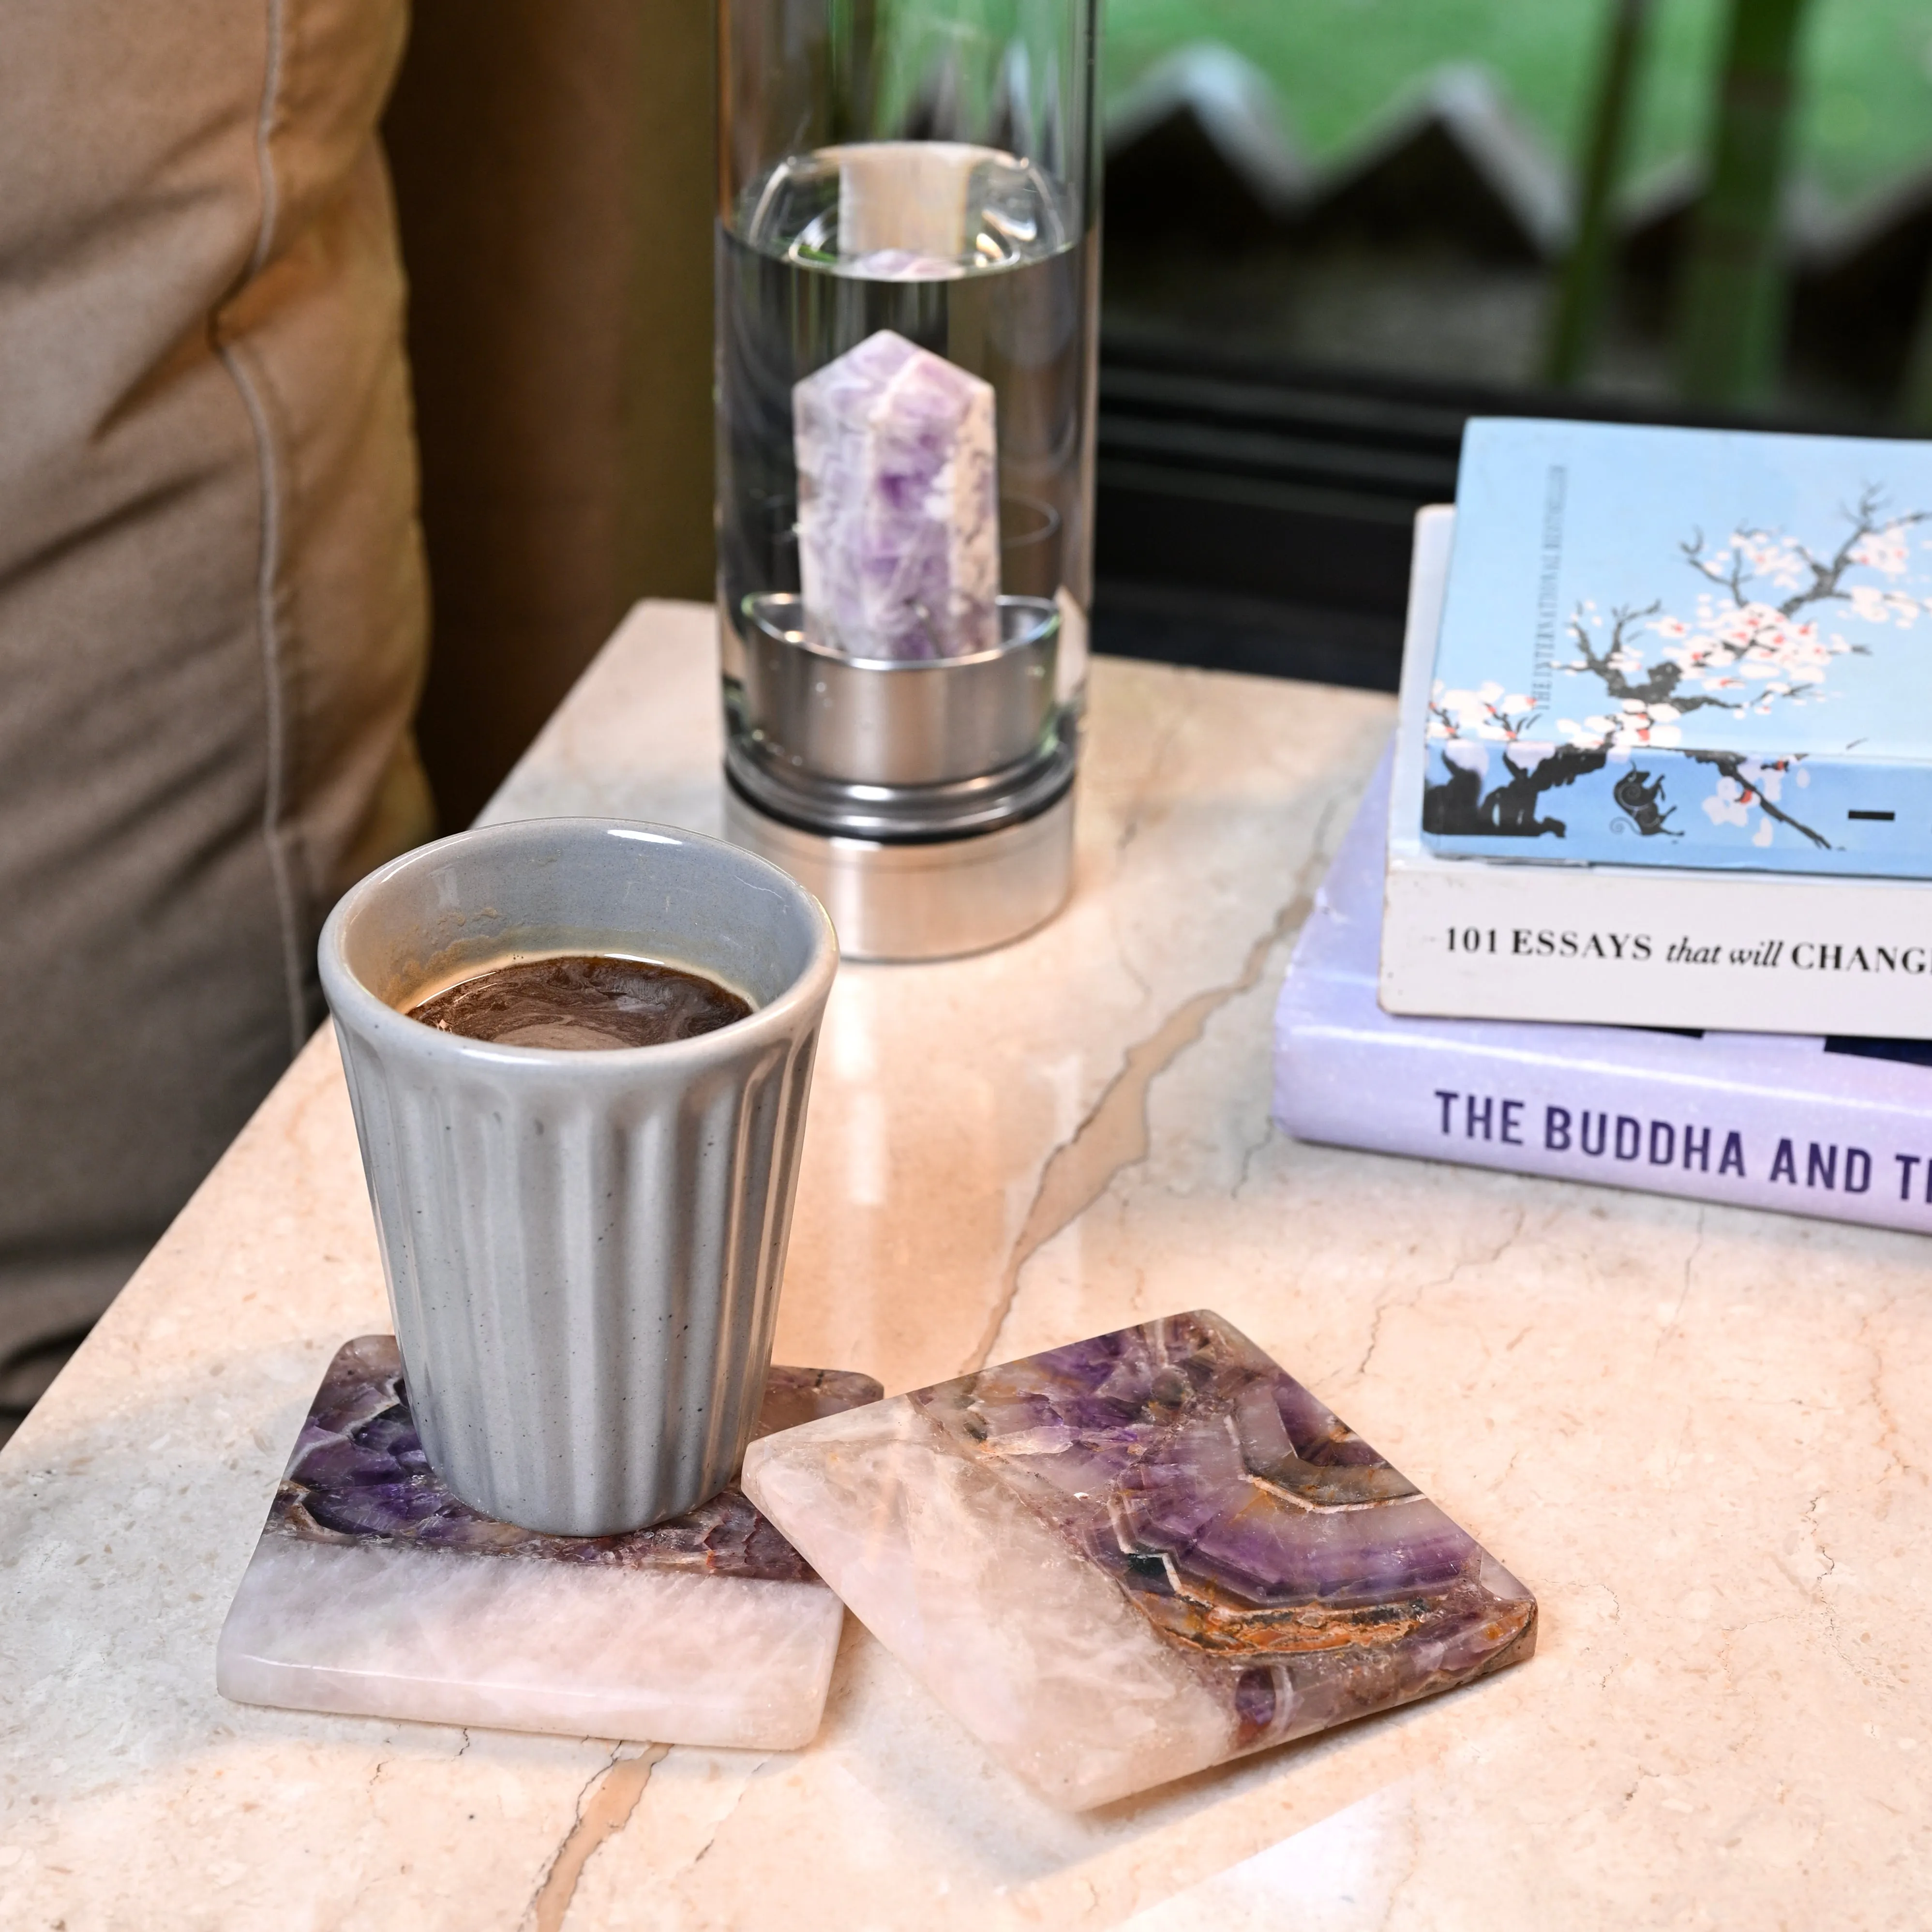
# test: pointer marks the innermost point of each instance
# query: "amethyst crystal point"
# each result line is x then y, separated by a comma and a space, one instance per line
1124, 1560
373, 1590
899, 523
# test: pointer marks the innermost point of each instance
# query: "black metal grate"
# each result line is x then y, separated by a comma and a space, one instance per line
1256, 516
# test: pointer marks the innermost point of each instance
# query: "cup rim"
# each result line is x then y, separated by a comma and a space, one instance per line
349, 998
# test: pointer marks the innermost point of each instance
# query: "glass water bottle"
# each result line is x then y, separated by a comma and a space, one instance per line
907, 276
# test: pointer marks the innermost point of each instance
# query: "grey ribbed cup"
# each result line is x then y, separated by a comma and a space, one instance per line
584, 1250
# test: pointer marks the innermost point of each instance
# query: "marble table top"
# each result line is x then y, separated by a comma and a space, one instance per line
1700, 1435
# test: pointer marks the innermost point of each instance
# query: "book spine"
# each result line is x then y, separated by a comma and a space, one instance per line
1427, 1094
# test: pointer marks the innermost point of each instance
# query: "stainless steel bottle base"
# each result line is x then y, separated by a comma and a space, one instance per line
923, 902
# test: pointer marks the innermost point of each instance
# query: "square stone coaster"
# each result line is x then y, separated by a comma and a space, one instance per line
1122, 1561
374, 1592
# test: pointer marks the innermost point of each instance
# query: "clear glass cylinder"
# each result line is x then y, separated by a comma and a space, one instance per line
908, 271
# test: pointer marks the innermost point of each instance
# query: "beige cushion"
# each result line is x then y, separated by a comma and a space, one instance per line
212, 600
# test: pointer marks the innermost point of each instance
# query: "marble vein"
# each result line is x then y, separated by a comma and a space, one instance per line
1114, 1135
604, 1808
1385, 1306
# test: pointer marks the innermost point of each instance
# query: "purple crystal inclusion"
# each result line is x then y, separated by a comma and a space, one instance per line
359, 1474
898, 505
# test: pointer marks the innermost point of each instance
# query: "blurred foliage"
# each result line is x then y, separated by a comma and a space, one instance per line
1732, 298
1865, 111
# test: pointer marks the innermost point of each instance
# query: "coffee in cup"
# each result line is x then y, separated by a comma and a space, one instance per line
583, 1003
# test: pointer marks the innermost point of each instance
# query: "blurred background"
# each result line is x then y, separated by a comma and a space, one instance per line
1703, 210
1334, 230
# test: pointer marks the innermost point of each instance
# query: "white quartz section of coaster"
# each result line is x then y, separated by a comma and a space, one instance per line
529, 1645
1029, 1647
898, 521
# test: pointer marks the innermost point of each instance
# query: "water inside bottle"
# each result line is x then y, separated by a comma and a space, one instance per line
974, 254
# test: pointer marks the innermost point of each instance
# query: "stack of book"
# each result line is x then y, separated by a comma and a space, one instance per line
1640, 894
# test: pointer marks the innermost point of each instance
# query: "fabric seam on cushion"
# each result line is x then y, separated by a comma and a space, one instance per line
267, 618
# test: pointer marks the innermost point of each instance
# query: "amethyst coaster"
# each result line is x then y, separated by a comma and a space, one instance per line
374, 1592
1124, 1560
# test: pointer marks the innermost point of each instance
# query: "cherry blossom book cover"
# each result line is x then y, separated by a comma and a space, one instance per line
1686, 648
1641, 945
1839, 1127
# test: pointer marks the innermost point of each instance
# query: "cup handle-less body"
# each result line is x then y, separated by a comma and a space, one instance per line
583, 1250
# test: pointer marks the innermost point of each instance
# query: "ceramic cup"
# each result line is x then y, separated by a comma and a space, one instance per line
584, 1250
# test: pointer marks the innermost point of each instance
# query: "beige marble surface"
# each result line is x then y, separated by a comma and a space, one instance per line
1700, 1435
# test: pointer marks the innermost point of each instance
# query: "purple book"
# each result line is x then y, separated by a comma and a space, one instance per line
1840, 1128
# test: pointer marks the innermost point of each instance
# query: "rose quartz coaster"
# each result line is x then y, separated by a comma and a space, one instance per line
374, 1592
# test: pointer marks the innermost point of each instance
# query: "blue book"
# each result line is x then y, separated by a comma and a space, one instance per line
1689, 648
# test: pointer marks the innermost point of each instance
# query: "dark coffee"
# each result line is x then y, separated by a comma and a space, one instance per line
584, 1003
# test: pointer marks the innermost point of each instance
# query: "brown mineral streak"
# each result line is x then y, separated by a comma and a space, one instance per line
1195, 1618
602, 1815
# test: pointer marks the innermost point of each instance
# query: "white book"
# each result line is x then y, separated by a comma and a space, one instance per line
1471, 938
